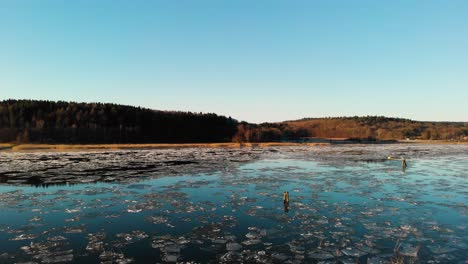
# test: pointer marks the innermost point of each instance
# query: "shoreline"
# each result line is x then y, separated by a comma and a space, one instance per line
5, 147
10, 147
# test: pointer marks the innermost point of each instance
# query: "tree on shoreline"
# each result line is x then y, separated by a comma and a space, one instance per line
70, 122
36, 121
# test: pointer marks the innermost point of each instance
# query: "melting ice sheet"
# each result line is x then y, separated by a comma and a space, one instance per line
348, 204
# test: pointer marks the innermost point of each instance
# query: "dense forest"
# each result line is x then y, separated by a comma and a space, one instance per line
31, 121
367, 128
69, 122
382, 128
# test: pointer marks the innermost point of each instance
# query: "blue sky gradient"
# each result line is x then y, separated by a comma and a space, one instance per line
253, 60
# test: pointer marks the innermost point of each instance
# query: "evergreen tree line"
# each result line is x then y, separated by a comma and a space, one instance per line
69, 122
32, 121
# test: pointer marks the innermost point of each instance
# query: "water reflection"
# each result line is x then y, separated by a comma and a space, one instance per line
286, 206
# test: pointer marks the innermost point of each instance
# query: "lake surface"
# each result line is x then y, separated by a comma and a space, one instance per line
348, 204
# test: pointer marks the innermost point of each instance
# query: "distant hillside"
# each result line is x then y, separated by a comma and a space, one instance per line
70, 122
380, 127
31, 121
368, 128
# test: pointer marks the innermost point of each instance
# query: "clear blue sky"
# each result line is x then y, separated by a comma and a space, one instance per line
257, 61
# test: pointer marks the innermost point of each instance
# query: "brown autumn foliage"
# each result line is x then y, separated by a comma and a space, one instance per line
368, 128
267, 132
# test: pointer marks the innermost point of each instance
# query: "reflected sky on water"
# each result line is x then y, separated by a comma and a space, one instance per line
347, 204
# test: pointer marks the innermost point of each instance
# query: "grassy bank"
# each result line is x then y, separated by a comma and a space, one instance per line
77, 147
424, 141
6, 146
80, 147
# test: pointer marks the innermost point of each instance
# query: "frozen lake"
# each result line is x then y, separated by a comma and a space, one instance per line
348, 204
